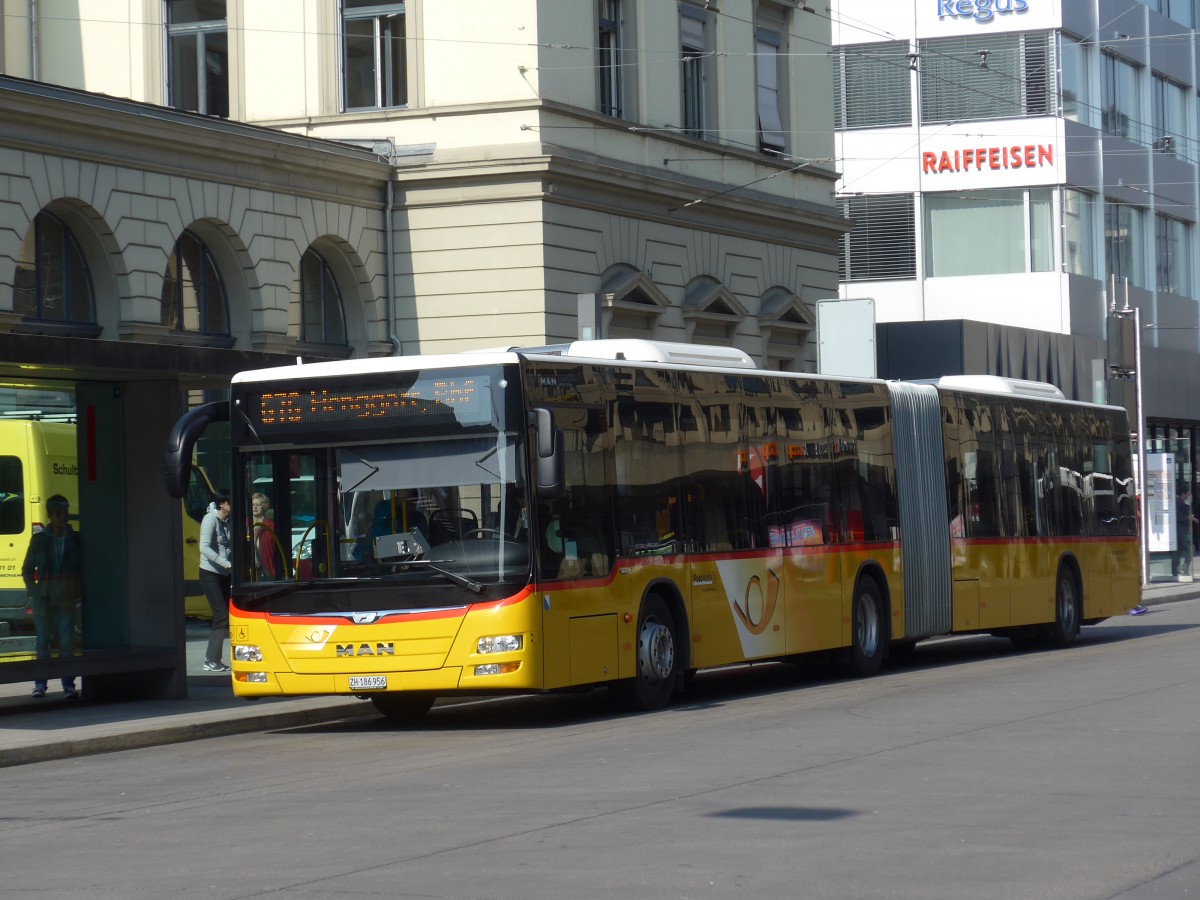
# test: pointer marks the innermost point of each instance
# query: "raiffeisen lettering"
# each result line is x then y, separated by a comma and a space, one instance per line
1027, 156
980, 10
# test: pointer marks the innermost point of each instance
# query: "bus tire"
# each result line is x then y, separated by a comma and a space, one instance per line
402, 707
1065, 629
868, 626
657, 658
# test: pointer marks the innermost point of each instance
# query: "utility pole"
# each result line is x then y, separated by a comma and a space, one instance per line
1125, 369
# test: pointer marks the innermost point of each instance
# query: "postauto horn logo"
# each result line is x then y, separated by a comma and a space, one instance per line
979, 10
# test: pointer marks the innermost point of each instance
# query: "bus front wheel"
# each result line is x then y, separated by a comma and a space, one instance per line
657, 658
869, 629
402, 706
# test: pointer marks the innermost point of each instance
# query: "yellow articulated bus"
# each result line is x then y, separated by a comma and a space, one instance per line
622, 513
37, 460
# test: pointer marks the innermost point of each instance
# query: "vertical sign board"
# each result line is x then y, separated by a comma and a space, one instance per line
846, 337
1160, 518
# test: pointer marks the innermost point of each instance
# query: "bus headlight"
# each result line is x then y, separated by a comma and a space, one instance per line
500, 643
497, 668
250, 677
246, 653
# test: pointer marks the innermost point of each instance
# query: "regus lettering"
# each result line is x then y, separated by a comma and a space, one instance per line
980, 10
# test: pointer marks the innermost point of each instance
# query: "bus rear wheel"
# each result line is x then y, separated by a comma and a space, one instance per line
1066, 610
869, 629
402, 707
657, 658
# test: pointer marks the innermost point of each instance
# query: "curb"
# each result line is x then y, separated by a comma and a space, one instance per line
183, 732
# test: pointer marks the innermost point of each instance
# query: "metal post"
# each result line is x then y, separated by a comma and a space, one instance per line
1120, 369
1141, 426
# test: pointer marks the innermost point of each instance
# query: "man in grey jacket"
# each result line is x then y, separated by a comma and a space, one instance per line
215, 569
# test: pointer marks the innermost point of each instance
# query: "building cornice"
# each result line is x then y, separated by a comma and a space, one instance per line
108, 130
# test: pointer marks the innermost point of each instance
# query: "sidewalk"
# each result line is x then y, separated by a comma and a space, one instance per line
34, 730
54, 728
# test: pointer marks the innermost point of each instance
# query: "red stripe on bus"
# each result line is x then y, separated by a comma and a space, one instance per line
421, 616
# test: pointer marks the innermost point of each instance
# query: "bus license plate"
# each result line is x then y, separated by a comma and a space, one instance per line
368, 682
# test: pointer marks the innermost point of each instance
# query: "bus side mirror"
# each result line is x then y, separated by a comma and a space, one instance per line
549, 465
177, 455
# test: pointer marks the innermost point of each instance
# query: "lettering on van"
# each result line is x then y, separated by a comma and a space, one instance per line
71, 469
380, 649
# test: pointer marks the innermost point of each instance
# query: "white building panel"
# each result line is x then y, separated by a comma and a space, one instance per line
960, 156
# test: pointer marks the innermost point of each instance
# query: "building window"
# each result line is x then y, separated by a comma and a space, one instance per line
771, 74
1168, 115
374, 56
1123, 243
52, 281
882, 245
1018, 225
321, 318
693, 38
198, 56
996, 76
193, 296
1179, 10
1171, 239
1079, 216
1075, 63
871, 85
1121, 111
610, 58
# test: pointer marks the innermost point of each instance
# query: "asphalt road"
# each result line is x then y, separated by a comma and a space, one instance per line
971, 772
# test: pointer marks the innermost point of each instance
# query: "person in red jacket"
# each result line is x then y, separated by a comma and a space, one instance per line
266, 556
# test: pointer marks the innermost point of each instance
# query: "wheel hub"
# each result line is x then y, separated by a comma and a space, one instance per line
656, 652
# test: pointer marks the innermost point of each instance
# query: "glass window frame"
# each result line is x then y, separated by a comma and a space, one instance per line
1172, 239
1121, 112
696, 60
1075, 89
610, 57
210, 94
209, 292
328, 325
389, 76
1079, 222
1168, 102
1124, 243
72, 274
1031, 208
771, 79
872, 85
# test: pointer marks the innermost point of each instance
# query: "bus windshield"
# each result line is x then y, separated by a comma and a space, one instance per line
440, 506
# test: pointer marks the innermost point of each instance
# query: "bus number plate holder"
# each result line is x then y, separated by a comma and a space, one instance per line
368, 682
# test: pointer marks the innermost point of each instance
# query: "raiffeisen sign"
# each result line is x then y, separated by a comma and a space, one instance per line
979, 159
980, 10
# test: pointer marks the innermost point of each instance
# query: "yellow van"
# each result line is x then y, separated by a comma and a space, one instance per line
38, 460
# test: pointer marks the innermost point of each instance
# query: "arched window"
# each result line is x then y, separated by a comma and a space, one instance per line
52, 280
321, 318
193, 296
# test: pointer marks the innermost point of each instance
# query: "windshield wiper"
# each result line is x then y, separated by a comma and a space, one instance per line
461, 580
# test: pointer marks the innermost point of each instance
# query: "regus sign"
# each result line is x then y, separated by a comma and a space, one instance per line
979, 10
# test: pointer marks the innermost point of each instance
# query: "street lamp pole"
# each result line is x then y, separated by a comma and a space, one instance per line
1139, 424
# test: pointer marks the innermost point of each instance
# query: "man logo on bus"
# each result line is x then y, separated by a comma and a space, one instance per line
380, 649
